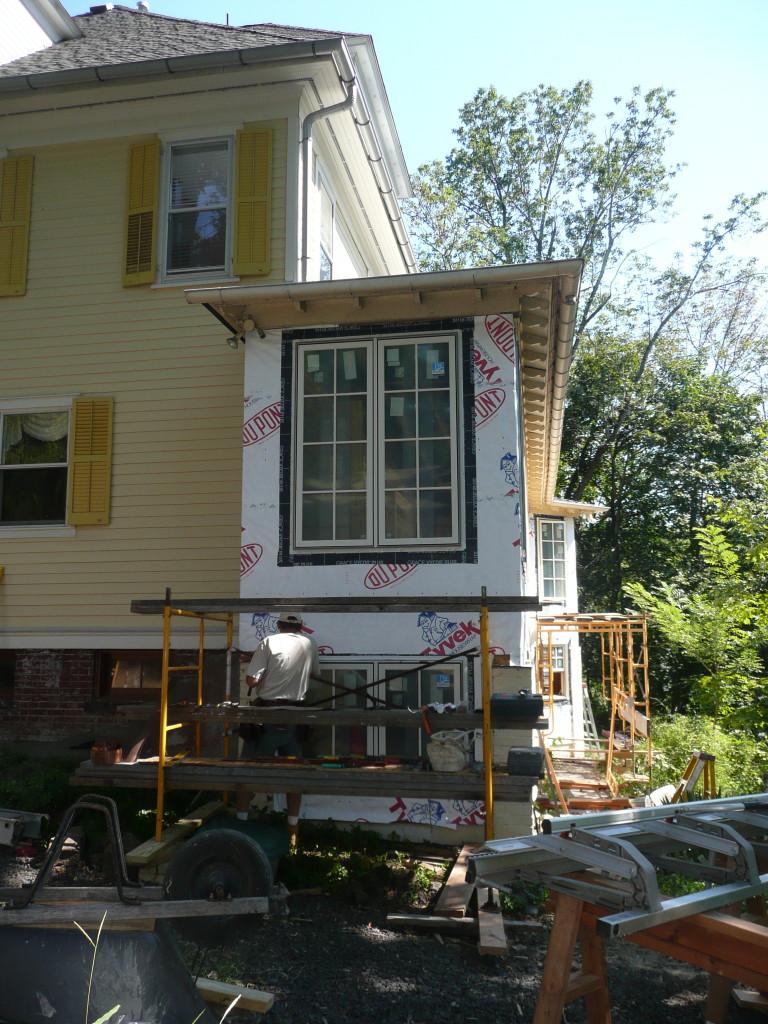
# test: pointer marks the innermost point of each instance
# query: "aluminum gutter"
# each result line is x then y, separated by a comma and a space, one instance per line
334, 49
53, 19
396, 284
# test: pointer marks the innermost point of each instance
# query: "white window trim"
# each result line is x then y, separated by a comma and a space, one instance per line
45, 403
375, 490
540, 522
182, 277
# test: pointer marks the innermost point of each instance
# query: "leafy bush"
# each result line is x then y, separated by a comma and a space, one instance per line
41, 785
741, 759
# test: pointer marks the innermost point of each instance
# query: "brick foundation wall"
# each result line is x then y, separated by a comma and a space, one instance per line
50, 694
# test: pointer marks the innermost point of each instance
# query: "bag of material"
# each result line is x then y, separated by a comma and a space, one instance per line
448, 751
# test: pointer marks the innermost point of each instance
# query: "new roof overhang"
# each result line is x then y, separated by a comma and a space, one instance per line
541, 296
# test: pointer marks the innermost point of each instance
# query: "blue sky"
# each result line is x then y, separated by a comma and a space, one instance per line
435, 55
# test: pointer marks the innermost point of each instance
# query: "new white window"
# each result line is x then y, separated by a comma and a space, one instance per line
34, 449
198, 190
552, 669
552, 559
377, 453
442, 684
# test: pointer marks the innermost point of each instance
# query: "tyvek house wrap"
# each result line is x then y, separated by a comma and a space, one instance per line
419, 634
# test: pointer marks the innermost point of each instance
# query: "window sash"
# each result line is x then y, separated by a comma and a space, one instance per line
552, 558
198, 223
397, 483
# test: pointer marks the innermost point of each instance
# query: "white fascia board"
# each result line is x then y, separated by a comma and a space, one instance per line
53, 19
372, 87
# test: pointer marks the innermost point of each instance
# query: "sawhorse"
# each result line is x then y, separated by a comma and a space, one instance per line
729, 947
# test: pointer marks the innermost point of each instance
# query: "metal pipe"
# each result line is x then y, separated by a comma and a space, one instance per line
306, 156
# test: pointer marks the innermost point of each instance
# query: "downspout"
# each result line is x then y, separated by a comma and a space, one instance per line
306, 155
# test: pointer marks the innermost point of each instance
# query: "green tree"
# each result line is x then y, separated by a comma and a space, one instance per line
695, 444
721, 624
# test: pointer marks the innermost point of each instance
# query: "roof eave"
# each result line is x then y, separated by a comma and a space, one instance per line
541, 296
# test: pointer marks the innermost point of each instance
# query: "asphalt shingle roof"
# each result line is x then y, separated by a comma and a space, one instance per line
124, 35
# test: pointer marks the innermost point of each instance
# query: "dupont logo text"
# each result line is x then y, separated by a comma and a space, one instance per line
262, 424
502, 332
379, 576
249, 556
488, 403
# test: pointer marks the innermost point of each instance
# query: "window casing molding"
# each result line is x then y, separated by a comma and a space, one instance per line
64, 444
551, 543
377, 443
46, 474
174, 210
465, 550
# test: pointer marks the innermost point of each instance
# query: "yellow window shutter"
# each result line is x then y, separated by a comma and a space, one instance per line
253, 202
90, 461
15, 207
141, 214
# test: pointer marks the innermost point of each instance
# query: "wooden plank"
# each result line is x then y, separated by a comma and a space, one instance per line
92, 913
219, 993
263, 777
492, 938
81, 894
757, 1001
433, 922
320, 716
153, 851
457, 892
360, 605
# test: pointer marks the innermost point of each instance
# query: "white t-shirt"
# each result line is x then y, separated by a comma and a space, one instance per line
282, 664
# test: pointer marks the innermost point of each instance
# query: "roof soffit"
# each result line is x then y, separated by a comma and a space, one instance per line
542, 298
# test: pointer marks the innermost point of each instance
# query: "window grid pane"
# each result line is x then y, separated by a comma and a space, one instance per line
334, 452
397, 484
552, 549
423, 419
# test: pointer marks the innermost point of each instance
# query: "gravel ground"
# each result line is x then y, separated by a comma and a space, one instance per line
331, 961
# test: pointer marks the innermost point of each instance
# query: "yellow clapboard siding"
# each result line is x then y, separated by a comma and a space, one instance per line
177, 389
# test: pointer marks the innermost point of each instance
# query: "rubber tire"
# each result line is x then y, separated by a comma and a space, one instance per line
220, 857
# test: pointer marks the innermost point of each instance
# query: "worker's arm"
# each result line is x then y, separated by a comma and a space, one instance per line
258, 665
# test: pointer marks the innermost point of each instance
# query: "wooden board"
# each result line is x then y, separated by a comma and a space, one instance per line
152, 851
457, 892
82, 894
92, 913
492, 938
262, 777
431, 922
757, 1001
219, 993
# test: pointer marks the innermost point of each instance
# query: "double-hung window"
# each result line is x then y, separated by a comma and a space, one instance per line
33, 467
377, 453
552, 559
199, 189
55, 462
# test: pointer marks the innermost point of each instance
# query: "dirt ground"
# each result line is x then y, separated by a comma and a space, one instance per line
336, 960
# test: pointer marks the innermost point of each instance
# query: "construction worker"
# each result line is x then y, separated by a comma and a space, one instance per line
278, 674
